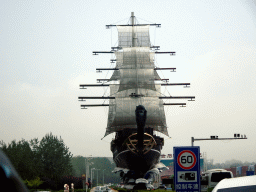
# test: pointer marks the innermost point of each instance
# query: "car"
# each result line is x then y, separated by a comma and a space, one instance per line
212, 177
163, 187
246, 183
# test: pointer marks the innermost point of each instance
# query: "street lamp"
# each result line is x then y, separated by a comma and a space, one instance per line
87, 170
103, 176
97, 177
92, 169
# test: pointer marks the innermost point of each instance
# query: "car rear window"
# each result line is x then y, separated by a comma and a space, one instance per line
217, 177
251, 188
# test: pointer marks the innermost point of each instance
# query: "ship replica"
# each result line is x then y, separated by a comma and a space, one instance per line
136, 107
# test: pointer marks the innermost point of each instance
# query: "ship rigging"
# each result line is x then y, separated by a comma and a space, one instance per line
136, 107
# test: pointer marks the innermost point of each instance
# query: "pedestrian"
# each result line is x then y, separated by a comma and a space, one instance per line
66, 188
72, 187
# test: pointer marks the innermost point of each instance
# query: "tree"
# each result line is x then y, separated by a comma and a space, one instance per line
100, 163
34, 183
55, 158
21, 156
78, 164
48, 159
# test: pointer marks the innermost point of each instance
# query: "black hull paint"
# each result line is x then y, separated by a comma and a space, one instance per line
136, 162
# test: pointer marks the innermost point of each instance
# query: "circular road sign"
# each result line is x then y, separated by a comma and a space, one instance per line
186, 159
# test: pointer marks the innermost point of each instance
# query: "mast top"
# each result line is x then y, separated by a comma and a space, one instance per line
132, 23
132, 18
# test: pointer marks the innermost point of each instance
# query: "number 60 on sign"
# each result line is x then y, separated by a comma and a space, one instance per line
186, 159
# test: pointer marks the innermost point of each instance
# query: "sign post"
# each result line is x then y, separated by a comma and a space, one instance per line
187, 169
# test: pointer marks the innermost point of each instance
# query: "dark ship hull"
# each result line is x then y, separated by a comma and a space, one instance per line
135, 162
127, 156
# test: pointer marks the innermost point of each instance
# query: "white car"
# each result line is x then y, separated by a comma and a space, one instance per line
212, 177
247, 183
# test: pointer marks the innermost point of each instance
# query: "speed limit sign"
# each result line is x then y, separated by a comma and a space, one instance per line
187, 169
186, 159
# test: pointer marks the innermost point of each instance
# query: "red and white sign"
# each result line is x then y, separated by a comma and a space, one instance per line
186, 159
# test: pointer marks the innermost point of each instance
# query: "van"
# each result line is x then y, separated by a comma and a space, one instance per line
212, 177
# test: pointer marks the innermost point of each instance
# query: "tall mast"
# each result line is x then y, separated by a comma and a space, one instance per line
134, 45
133, 34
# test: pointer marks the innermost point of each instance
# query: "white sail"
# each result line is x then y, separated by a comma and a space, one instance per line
122, 111
136, 83
137, 69
140, 35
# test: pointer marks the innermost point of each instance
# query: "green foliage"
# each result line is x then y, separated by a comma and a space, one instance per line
210, 189
22, 158
108, 167
78, 164
34, 183
46, 158
121, 189
55, 158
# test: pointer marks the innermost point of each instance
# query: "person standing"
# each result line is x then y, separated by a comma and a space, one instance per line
72, 187
66, 188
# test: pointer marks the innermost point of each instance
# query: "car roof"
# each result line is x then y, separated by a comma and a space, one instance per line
235, 182
216, 170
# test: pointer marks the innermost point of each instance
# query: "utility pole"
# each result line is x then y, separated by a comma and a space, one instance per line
103, 176
216, 138
86, 175
92, 169
87, 172
97, 176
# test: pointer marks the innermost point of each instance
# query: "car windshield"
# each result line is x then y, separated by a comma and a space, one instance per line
217, 177
251, 188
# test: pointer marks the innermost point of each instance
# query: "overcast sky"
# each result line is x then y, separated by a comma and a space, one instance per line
46, 52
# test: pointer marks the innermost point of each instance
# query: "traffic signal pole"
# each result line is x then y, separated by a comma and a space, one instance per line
215, 138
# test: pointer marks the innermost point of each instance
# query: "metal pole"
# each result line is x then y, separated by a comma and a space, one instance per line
97, 177
206, 162
86, 175
215, 139
134, 44
132, 16
92, 175
133, 35
103, 176
85, 171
